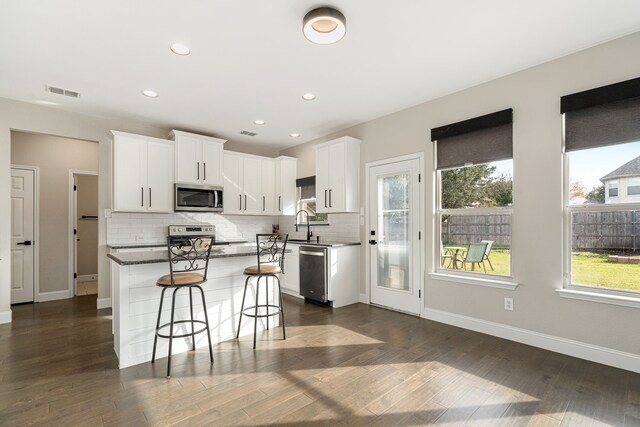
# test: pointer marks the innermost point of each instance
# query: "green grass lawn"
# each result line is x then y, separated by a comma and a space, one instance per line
588, 268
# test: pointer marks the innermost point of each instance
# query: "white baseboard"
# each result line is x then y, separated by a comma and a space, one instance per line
5, 317
292, 293
52, 296
103, 303
594, 353
87, 278
364, 298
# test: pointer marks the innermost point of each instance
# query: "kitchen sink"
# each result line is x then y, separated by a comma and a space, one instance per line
300, 241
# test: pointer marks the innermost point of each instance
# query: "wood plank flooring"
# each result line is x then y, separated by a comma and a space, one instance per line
352, 366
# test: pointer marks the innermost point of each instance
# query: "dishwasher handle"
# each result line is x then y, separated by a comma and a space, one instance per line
312, 253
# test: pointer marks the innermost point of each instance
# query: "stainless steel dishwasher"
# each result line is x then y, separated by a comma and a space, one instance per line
313, 273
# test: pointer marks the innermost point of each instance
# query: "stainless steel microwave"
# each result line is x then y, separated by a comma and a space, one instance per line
198, 198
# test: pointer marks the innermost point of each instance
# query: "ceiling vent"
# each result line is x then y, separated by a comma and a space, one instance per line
246, 132
60, 91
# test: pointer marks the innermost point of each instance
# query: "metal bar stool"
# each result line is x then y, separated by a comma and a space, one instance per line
193, 254
270, 250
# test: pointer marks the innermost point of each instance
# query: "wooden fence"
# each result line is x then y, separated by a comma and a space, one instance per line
465, 229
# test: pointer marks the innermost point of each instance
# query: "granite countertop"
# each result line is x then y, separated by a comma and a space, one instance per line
163, 244
157, 257
327, 243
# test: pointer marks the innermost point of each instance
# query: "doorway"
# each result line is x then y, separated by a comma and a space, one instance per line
395, 232
23, 234
84, 214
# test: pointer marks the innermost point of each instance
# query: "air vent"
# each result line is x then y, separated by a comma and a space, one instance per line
60, 91
246, 132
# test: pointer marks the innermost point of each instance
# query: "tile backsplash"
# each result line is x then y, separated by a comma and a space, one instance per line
125, 228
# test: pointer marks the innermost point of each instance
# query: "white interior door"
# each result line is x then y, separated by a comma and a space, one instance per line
394, 208
22, 227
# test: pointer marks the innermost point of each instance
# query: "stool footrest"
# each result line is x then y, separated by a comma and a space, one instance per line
250, 311
201, 322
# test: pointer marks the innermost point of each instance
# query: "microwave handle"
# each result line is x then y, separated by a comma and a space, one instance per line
215, 199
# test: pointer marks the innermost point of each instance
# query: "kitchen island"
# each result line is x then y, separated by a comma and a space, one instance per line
136, 299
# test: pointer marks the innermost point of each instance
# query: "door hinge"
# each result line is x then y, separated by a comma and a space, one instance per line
75, 275
75, 231
75, 188
419, 177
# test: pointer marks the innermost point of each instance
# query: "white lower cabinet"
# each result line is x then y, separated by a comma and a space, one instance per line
290, 280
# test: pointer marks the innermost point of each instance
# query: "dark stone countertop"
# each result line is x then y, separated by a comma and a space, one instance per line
327, 243
157, 257
162, 244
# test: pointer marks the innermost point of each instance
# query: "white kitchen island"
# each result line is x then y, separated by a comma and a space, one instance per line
136, 299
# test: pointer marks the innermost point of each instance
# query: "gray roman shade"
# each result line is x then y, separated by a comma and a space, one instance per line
479, 140
307, 187
603, 116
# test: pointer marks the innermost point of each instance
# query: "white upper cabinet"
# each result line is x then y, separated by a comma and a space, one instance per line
286, 172
268, 186
142, 173
338, 175
198, 159
232, 195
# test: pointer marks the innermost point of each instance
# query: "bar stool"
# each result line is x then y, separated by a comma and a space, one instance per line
270, 251
192, 252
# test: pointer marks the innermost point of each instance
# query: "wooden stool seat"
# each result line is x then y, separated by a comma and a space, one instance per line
264, 269
181, 279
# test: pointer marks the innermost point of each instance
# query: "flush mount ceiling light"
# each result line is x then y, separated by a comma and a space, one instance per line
150, 93
294, 135
180, 49
324, 25
258, 122
308, 97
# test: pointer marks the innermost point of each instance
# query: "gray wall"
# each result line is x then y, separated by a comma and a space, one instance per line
534, 94
55, 156
87, 205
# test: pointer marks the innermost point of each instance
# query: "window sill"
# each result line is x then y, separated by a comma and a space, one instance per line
476, 281
599, 297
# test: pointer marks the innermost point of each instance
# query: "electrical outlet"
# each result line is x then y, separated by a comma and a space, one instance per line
508, 304
139, 238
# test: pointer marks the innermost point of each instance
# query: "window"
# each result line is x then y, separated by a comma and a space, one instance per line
475, 191
602, 158
307, 201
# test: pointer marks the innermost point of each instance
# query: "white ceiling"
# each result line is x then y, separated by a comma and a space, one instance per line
250, 60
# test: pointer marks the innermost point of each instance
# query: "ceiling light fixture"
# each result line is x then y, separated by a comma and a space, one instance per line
180, 49
294, 135
150, 93
308, 97
258, 122
324, 25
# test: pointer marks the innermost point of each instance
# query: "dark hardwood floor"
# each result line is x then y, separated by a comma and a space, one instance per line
357, 365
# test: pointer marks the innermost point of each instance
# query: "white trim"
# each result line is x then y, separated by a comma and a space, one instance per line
594, 353
103, 303
55, 295
476, 281
87, 278
600, 297
36, 226
71, 268
291, 293
366, 297
5, 317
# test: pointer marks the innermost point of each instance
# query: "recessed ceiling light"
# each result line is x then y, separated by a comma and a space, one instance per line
324, 25
180, 49
150, 93
294, 135
258, 122
308, 97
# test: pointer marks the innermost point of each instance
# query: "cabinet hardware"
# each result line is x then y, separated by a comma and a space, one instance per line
149, 196
325, 198
204, 168
245, 202
142, 196
240, 195
198, 169
263, 204
279, 205
330, 204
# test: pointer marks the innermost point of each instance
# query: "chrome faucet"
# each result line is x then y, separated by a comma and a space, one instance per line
309, 233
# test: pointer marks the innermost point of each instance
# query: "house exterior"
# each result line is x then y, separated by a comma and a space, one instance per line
623, 184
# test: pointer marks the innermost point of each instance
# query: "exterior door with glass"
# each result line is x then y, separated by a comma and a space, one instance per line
394, 235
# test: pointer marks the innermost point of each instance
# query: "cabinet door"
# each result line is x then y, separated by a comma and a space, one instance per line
129, 173
187, 166
251, 186
292, 270
337, 178
232, 195
211, 163
159, 197
286, 181
322, 179
268, 183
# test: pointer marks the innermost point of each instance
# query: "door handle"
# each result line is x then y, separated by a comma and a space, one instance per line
325, 198
279, 206
330, 205
149, 196
204, 168
245, 202
373, 242
26, 243
264, 204
240, 195
198, 169
142, 196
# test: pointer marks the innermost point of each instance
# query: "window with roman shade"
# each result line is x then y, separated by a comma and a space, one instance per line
475, 194
602, 156
307, 200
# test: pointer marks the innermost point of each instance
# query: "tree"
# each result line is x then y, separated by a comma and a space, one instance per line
466, 187
596, 195
576, 189
500, 191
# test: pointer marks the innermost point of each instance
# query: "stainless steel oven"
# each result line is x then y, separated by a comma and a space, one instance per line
198, 198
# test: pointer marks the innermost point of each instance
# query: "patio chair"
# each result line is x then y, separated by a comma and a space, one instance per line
488, 251
444, 255
475, 255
